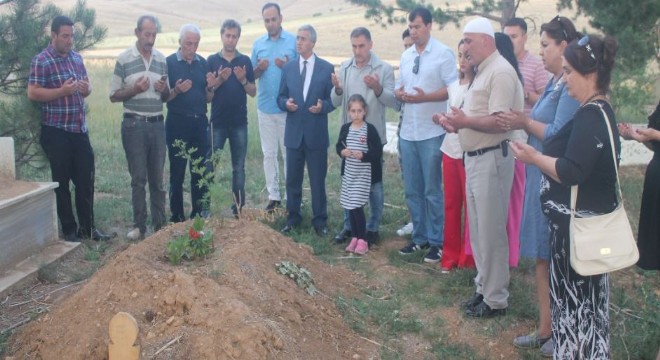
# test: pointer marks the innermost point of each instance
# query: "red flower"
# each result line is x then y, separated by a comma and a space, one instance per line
193, 234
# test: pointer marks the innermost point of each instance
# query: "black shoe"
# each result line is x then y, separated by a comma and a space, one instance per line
272, 205
475, 300
286, 230
322, 231
412, 248
433, 256
96, 234
236, 211
484, 311
71, 237
342, 236
372, 237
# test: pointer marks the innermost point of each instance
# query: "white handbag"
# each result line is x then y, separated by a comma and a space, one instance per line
602, 243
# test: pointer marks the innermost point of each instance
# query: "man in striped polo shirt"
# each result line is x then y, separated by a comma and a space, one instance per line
140, 82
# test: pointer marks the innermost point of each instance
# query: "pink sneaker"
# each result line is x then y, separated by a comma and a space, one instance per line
351, 246
362, 247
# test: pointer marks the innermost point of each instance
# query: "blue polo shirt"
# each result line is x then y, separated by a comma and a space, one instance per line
193, 101
269, 81
229, 104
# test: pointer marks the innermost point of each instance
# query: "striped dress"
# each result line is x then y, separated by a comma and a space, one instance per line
356, 181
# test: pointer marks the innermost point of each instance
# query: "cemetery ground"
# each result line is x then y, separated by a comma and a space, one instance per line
235, 304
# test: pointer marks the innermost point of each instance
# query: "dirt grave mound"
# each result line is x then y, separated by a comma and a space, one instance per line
234, 305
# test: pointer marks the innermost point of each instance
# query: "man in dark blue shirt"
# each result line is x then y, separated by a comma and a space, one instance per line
186, 121
231, 80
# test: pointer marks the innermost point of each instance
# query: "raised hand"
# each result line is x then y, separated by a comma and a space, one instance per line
183, 86
213, 79
291, 105
142, 84
69, 86
373, 82
336, 82
315, 109
224, 73
262, 64
280, 62
239, 71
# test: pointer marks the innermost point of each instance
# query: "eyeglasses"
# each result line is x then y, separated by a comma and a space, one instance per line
561, 26
416, 67
584, 42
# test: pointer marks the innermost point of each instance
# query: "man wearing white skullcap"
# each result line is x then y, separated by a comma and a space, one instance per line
488, 164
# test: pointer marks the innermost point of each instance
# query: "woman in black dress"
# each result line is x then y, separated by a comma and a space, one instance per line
579, 154
648, 234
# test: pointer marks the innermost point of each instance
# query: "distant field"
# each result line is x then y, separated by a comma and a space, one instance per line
333, 20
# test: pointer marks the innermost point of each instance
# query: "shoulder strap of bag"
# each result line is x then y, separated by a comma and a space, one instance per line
574, 188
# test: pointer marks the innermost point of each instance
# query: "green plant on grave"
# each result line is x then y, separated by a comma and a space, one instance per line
196, 243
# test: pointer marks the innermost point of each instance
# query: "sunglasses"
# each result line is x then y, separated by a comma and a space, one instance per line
584, 42
416, 66
561, 26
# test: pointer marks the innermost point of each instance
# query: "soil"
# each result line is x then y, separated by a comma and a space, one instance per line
233, 305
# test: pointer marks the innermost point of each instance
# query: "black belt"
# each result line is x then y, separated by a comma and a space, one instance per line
155, 118
490, 148
194, 116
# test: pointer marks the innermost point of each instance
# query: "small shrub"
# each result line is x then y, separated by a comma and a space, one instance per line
196, 243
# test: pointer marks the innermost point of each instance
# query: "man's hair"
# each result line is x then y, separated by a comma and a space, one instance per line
519, 22
58, 22
230, 24
270, 5
406, 33
423, 12
189, 28
310, 29
361, 31
144, 18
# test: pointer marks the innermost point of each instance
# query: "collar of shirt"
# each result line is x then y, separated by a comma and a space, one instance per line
53, 53
180, 58
487, 61
310, 62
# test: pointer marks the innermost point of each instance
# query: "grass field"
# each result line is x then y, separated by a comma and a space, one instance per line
635, 307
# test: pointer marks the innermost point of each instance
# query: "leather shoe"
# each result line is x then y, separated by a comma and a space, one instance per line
470, 303
342, 236
322, 230
286, 230
372, 237
71, 237
484, 311
97, 235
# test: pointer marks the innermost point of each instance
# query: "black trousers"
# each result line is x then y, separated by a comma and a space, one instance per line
71, 159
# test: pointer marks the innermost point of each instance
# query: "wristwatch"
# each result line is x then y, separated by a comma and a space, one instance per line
244, 82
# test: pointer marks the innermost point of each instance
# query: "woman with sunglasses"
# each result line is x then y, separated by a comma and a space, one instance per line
554, 108
579, 154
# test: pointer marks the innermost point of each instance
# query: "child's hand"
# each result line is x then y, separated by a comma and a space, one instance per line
346, 153
358, 155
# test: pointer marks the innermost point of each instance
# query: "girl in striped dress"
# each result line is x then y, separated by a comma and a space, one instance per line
361, 151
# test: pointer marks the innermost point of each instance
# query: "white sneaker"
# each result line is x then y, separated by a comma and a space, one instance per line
135, 234
405, 230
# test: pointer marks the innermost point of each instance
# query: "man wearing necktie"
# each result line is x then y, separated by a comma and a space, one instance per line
305, 96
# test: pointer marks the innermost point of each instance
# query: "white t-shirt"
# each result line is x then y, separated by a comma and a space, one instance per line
451, 145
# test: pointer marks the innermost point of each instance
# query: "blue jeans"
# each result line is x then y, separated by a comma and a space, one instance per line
376, 204
422, 183
238, 138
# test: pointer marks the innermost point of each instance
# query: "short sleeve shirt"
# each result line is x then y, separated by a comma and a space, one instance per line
269, 81
50, 70
496, 88
534, 75
129, 68
436, 69
229, 104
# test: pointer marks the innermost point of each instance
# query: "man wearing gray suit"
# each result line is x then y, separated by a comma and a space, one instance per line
305, 96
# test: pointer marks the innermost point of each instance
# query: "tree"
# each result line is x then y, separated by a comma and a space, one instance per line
24, 32
496, 10
631, 22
